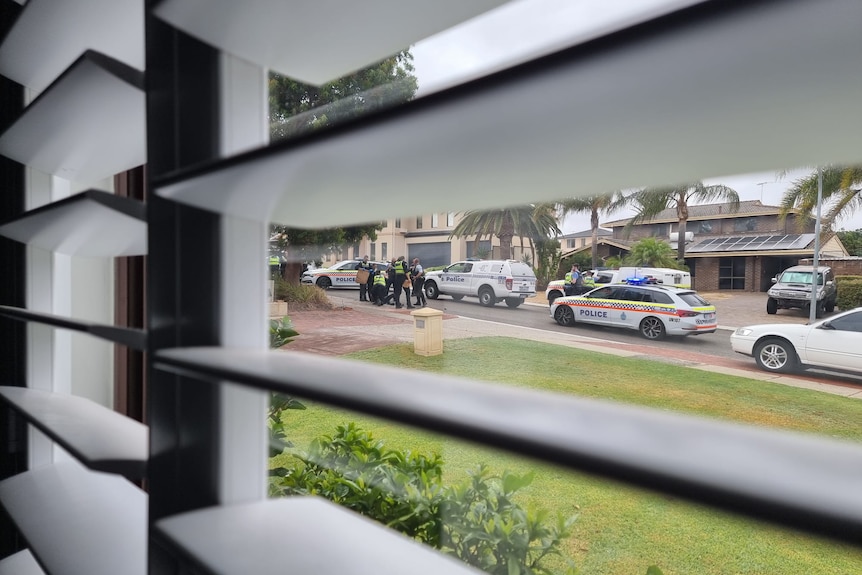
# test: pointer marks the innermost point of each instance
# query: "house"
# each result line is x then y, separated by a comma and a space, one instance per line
729, 249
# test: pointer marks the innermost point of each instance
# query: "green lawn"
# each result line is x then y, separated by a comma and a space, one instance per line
620, 531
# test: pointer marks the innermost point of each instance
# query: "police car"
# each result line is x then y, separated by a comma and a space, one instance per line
654, 310
491, 281
340, 275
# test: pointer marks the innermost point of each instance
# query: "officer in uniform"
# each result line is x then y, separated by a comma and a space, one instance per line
589, 281
574, 281
378, 286
400, 267
274, 266
365, 287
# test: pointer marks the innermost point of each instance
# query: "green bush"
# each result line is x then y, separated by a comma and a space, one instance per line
476, 521
849, 291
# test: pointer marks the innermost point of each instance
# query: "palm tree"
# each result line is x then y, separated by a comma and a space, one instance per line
649, 202
534, 221
596, 204
651, 252
842, 188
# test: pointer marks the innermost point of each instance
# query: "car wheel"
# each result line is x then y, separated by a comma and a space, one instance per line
513, 302
820, 310
771, 306
776, 355
552, 296
565, 316
457, 297
652, 328
324, 282
487, 297
431, 290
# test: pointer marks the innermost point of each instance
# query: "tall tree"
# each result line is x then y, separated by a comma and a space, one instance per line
596, 204
649, 202
533, 221
297, 108
852, 241
842, 193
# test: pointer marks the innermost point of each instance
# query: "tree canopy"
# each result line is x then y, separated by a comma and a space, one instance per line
297, 109
841, 193
597, 204
651, 252
532, 221
649, 202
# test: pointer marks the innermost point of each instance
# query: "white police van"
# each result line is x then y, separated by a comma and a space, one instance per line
491, 281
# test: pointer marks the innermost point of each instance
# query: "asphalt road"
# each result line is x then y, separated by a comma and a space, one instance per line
538, 316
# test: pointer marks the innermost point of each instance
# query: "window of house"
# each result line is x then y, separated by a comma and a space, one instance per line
570, 243
356, 251
744, 224
704, 227
383, 250
450, 219
418, 222
435, 220
397, 222
731, 273
373, 254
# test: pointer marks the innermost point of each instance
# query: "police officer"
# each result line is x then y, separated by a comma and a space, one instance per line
589, 281
378, 286
400, 267
274, 265
417, 272
365, 287
574, 282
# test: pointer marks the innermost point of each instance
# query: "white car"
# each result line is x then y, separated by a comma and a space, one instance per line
654, 310
832, 343
491, 281
340, 275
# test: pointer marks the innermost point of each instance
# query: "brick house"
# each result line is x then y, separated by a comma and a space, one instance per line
731, 250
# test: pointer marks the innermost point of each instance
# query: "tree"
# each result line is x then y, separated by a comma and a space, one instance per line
595, 205
841, 192
852, 241
651, 252
533, 221
649, 202
297, 109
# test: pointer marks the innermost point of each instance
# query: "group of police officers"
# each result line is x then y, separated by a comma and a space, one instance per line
399, 277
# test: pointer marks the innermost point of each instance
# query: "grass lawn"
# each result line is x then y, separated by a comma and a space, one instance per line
621, 531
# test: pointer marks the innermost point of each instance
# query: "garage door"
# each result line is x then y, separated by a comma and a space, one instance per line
431, 255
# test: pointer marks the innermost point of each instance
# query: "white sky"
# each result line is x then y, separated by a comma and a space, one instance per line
523, 29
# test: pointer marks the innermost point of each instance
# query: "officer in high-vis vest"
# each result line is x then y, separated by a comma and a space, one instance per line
274, 265
400, 275
589, 281
378, 286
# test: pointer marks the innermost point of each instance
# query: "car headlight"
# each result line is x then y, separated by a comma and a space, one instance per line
743, 331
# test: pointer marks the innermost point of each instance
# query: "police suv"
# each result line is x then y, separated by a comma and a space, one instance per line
341, 275
654, 310
491, 281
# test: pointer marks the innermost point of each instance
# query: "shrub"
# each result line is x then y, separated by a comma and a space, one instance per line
476, 520
301, 295
849, 291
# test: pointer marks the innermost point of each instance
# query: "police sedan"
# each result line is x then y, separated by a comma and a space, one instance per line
340, 275
654, 310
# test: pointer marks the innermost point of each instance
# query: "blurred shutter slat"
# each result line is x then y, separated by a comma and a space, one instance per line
87, 125
97, 436
130, 337
300, 535
757, 471
79, 522
90, 224
637, 98
21, 563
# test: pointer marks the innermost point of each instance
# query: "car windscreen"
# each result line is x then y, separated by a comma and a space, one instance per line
799, 278
692, 299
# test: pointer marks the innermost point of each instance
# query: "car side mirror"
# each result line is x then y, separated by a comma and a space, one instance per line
829, 282
826, 325
775, 280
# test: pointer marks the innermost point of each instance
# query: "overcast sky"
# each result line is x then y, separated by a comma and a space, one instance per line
523, 29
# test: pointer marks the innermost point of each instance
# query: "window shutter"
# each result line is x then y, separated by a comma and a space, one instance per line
611, 111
